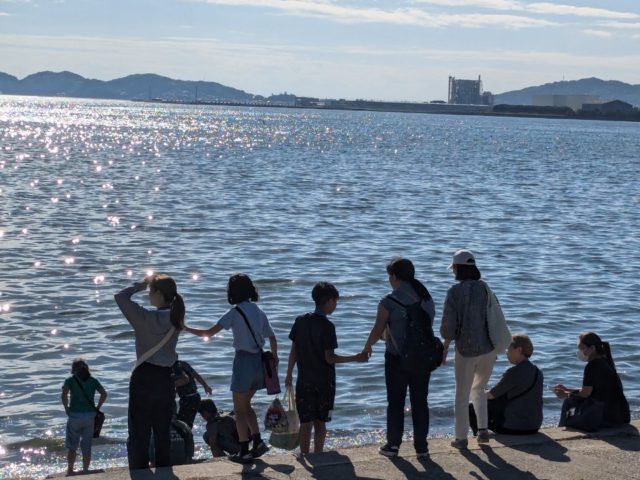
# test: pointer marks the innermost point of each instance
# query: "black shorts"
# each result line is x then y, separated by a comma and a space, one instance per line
314, 403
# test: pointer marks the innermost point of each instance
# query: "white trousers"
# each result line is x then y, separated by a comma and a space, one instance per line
472, 377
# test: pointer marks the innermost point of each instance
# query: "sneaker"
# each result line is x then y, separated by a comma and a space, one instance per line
241, 458
259, 449
388, 451
483, 435
460, 443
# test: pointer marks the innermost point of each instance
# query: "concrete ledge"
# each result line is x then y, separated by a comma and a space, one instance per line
551, 454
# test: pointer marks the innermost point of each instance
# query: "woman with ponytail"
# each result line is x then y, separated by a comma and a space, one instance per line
391, 324
151, 387
600, 382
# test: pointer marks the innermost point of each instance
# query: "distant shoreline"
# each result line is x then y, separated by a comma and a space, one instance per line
369, 106
437, 109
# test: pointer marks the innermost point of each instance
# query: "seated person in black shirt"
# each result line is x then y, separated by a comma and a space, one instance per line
313, 339
600, 383
515, 403
221, 433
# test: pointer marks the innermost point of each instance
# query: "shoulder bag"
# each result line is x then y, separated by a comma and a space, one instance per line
268, 362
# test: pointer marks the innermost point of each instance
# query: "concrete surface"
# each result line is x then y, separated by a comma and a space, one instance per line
551, 454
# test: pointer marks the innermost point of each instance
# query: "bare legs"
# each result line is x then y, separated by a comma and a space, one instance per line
71, 460
319, 436
246, 420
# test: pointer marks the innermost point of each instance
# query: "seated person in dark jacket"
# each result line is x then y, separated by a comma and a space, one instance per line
221, 434
515, 403
601, 383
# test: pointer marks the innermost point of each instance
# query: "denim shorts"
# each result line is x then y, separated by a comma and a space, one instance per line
247, 372
80, 426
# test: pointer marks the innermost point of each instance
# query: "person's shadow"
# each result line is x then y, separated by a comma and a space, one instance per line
259, 466
162, 473
627, 438
542, 445
429, 467
330, 466
496, 468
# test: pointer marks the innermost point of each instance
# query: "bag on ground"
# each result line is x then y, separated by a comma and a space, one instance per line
588, 415
289, 439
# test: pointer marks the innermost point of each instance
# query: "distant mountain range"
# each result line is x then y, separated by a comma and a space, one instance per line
605, 89
132, 87
151, 86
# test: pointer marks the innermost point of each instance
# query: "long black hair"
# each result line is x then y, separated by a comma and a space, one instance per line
404, 270
467, 272
590, 339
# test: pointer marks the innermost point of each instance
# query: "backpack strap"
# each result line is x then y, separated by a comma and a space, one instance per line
246, 320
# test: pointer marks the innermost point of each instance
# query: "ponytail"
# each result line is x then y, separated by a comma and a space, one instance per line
420, 289
403, 269
177, 310
606, 351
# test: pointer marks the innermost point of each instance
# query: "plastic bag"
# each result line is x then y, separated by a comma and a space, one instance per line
292, 412
276, 418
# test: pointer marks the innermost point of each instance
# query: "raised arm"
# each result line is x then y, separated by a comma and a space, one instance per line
130, 309
382, 317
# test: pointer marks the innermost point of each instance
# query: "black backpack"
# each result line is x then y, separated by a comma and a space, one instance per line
422, 350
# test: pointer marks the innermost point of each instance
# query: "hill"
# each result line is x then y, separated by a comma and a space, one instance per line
605, 89
132, 87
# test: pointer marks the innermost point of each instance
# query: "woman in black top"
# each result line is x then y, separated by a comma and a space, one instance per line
600, 382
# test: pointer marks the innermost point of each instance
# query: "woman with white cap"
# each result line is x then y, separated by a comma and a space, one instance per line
464, 320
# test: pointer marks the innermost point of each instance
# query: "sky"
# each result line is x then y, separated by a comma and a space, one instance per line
372, 49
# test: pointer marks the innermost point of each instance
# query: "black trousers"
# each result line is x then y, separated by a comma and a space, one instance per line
398, 380
495, 410
188, 409
151, 403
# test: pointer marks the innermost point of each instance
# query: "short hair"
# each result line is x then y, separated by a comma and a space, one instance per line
80, 368
241, 288
207, 405
524, 342
323, 292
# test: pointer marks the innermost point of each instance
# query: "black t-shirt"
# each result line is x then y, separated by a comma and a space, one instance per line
190, 387
312, 334
607, 388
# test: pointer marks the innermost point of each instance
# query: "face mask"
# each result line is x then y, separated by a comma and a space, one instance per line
582, 356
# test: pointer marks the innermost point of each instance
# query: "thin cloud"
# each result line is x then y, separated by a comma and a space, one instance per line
403, 16
622, 25
598, 33
543, 8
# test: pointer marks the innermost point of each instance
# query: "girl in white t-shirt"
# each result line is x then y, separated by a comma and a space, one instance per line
247, 376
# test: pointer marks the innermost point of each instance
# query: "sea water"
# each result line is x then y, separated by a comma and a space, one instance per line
95, 194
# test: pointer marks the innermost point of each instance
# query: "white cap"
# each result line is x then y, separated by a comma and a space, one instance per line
463, 257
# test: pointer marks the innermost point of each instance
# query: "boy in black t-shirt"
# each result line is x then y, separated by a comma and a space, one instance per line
221, 433
185, 378
313, 339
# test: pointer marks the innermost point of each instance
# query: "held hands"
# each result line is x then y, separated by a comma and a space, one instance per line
368, 351
362, 357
